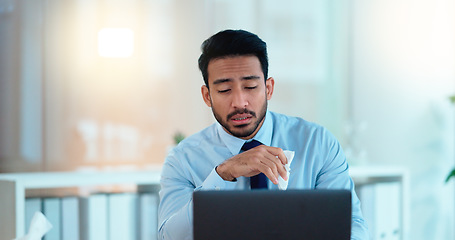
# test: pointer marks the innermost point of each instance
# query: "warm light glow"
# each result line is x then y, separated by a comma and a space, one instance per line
115, 42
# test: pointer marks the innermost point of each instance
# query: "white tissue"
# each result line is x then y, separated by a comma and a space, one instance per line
38, 227
282, 184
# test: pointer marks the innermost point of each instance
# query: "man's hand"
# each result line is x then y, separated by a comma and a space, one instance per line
265, 159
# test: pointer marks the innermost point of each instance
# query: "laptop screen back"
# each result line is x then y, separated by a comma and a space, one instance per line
267, 214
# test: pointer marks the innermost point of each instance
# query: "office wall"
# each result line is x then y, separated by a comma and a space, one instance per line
63, 106
403, 62
72, 108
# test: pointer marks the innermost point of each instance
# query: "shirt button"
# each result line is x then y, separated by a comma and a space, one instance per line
217, 188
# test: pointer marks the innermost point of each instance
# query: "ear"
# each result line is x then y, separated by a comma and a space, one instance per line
269, 86
206, 95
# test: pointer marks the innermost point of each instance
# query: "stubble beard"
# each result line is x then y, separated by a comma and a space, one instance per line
241, 131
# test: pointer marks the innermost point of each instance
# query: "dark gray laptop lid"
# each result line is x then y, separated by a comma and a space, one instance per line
268, 214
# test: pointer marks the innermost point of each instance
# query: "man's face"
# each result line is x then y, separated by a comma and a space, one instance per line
237, 94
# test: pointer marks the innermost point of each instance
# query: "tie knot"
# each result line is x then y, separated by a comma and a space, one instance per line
249, 145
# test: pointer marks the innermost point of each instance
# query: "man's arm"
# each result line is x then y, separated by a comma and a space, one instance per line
176, 208
335, 175
175, 214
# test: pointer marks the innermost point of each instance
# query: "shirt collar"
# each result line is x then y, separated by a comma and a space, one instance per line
234, 144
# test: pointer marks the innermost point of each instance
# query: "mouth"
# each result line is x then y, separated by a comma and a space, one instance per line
241, 119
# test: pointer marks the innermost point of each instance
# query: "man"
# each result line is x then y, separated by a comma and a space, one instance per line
234, 66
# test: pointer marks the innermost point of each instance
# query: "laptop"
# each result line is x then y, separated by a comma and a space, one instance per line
272, 214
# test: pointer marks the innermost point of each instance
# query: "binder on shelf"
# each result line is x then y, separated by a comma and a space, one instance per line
93, 217
32, 205
387, 215
148, 216
70, 218
51, 209
367, 198
122, 210
381, 209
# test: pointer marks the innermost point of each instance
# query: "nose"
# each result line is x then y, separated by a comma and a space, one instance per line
239, 99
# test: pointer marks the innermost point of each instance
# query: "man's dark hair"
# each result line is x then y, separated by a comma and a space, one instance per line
231, 43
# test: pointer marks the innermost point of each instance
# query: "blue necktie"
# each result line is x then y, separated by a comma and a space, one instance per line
260, 180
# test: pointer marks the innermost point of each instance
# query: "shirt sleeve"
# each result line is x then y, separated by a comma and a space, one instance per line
335, 175
175, 214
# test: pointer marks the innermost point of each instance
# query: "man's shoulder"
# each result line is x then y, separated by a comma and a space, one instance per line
296, 129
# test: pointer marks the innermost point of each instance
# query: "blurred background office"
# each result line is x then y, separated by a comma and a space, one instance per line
107, 84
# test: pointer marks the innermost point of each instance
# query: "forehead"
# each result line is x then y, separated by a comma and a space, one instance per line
234, 67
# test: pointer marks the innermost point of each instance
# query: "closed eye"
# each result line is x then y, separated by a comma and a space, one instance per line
224, 91
251, 87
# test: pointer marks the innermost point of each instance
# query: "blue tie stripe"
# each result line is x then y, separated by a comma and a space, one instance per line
249, 145
259, 181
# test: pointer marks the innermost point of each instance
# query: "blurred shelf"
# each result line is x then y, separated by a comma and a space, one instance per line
372, 180
368, 174
14, 185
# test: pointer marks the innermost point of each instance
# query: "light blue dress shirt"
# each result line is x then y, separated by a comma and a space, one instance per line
319, 163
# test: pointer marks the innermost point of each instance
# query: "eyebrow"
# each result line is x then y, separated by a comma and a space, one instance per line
223, 80
253, 77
